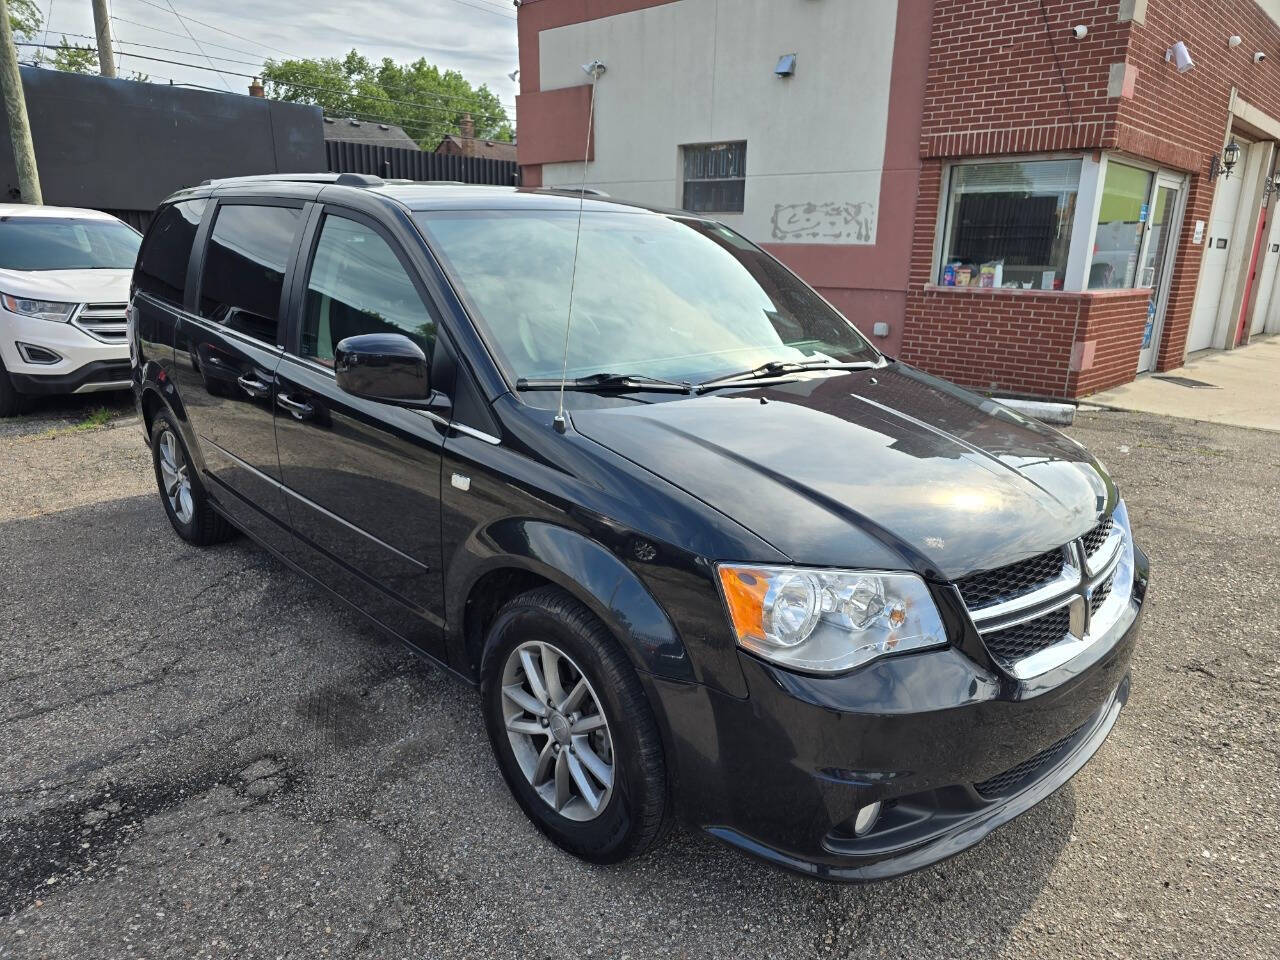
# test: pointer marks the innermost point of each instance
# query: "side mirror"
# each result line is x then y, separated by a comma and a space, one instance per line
387, 367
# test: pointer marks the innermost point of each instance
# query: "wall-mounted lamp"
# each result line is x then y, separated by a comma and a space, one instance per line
1079, 31
1234, 41
1224, 164
513, 75
786, 65
1179, 56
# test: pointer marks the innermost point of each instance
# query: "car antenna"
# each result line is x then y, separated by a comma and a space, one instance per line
595, 70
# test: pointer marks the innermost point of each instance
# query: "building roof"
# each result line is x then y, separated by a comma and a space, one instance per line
367, 131
478, 147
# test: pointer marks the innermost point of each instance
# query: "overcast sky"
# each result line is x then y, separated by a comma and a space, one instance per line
476, 37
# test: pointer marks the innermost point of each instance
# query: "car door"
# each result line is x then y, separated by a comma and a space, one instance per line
361, 478
227, 348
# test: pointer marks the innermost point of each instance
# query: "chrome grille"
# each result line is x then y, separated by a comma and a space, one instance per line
103, 321
1021, 775
1012, 644
1007, 582
1095, 538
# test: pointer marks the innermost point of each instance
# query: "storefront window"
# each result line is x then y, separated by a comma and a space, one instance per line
1009, 224
1121, 220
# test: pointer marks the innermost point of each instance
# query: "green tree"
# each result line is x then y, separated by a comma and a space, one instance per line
74, 58
25, 18
427, 102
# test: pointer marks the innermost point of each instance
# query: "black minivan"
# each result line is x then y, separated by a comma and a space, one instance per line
741, 568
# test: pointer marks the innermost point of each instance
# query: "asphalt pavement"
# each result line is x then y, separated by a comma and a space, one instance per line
206, 757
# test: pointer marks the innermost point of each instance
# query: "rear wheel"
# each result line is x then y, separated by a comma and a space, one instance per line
572, 729
185, 500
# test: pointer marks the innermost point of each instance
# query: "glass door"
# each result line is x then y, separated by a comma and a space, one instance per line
1157, 262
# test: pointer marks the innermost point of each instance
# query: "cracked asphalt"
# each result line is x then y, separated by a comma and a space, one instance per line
205, 757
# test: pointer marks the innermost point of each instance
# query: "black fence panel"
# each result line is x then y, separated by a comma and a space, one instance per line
400, 163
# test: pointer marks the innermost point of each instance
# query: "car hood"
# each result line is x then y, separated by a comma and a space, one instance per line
69, 286
885, 468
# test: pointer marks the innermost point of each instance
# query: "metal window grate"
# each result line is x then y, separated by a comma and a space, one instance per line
715, 177
1004, 583
1011, 644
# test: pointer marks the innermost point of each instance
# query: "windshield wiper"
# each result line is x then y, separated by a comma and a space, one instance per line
607, 381
779, 368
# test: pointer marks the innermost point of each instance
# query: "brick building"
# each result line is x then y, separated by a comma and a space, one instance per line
1028, 197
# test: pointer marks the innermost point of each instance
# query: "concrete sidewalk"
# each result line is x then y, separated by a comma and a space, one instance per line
1242, 389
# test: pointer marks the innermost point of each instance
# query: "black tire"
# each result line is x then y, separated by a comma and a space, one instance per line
637, 812
205, 526
11, 401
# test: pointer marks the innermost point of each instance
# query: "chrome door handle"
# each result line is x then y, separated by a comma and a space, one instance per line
253, 386
300, 411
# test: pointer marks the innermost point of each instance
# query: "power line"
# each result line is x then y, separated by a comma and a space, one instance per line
259, 43
174, 10
152, 46
181, 36
476, 6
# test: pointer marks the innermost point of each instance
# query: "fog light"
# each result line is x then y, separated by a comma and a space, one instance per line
866, 818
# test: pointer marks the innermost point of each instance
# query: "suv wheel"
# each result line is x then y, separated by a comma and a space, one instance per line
185, 501
572, 729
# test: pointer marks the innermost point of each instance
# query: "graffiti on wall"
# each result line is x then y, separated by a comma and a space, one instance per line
829, 222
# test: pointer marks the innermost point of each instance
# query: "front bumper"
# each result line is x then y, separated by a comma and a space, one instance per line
952, 749
84, 364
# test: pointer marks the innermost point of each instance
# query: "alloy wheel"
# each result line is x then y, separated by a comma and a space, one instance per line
175, 477
558, 731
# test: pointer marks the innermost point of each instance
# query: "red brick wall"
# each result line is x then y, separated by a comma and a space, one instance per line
995, 87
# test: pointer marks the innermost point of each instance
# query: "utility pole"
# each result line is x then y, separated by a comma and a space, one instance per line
15, 108
102, 27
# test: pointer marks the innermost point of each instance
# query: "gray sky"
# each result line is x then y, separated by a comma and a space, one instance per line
476, 37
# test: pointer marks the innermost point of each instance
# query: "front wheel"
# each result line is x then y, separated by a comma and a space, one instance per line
185, 500
572, 730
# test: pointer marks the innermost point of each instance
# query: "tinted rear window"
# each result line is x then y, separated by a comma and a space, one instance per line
49, 243
162, 265
244, 267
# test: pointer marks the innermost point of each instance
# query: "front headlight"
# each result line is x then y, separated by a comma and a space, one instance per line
40, 309
826, 621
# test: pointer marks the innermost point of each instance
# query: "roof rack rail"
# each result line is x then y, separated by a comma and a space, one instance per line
340, 179
585, 191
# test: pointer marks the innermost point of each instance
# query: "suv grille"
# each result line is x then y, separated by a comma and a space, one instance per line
1013, 643
1100, 593
103, 321
1021, 775
1005, 583
1095, 538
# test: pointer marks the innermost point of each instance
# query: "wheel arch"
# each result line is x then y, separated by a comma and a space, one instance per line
513, 556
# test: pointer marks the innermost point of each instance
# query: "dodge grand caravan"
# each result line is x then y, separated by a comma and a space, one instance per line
744, 569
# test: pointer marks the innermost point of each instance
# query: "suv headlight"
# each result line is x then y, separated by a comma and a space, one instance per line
40, 309
826, 621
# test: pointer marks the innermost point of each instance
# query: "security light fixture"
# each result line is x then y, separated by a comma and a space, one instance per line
1259, 57
1179, 56
1234, 41
1079, 31
514, 74
786, 65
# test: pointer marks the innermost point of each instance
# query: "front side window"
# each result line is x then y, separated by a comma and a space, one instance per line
715, 177
1121, 221
358, 285
244, 268
1009, 224
162, 264
670, 297
49, 243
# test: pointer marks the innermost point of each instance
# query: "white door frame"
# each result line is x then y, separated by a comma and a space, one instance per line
1176, 182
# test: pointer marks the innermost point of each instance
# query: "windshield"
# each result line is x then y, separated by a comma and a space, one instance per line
43, 243
659, 296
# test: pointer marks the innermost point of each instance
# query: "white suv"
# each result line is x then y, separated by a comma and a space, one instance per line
64, 284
